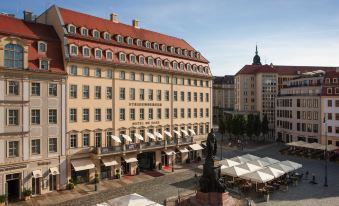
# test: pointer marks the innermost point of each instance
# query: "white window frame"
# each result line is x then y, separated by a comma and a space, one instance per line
70, 50
148, 44
158, 62
95, 53
138, 42
82, 31
128, 39
83, 51
119, 38
44, 43
106, 54
40, 64
139, 57
130, 58
107, 36
69, 29
120, 59
94, 31
155, 45
150, 60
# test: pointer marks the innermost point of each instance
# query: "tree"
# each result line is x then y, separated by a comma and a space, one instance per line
228, 125
242, 125
222, 132
257, 126
250, 126
264, 127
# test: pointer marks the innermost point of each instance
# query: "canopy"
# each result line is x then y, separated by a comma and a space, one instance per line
281, 167
196, 147
54, 170
234, 171
296, 144
82, 164
313, 145
185, 132
250, 167
132, 200
109, 161
115, 138
183, 150
168, 133
36, 173
269, 160
192, 131
258, 176
272, 171
250, 157
157, 134
240, 159
139, 136
229, 163
130, 159
177, 132
294, 165
330, 147
169, 152
150, 135
259, 163
127, 138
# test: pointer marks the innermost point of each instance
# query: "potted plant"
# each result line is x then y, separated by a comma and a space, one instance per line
27, 193
97, 179
117, 174
2, 200
71, 184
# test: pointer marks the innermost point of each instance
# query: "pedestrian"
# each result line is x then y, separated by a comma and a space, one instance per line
196, 181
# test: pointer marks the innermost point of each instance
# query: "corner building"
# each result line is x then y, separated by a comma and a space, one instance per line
136, 99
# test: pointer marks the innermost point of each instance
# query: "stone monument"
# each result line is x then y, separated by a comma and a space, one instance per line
212, 188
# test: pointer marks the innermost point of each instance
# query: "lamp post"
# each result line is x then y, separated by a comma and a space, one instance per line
325, 152
95, 180
173, 161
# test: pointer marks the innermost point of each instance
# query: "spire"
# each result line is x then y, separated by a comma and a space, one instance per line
256, 58
256, 49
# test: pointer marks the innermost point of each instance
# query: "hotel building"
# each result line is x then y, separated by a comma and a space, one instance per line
136, 99
32, 102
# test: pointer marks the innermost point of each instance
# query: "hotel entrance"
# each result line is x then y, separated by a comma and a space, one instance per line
125, 167
164, 159
146, 161
13, 187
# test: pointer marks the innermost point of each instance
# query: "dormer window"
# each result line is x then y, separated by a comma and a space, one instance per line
197, 55
191, 54
42, 47
158, 62
72, 29
141, 60
181, 65
73, 50
119, 38
129, 41
107, 36
84, 31
206, 70
329, 90
148, 44
175, 65
109, 55
44, 64
96, 34
122, 57
132, 58
188, 67
139, 42
194, 68
171, 49
179, 51
155, 46
86, 52
185, 52
166, 64
163, 47
98, 53
150, 61
200, 68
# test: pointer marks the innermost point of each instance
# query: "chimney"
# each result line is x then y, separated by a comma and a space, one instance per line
28, 16
135, 24
114, 18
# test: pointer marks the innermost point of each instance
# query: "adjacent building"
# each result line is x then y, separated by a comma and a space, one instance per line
136, 99
32, 108
223, 95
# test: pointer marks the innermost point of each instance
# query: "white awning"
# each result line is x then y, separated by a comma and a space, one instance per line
169, 152
192, 131
54, 171
177, 132
150, 135
138, 136
37, 174
168, 133
127, 138
115, 138
130, 160
157, 134
82, 164
109, 162
185, 132
183, 150
196, 147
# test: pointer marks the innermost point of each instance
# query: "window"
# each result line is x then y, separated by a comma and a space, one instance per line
142, 114
175, 65
132, 93
129, 41
86, 52
98, 137
109, 55
73, 141
207, 112
85, 71
85, 115
13, 149
150, 77
336, 116
42, 47
13, 117
85, 140
96, 34
336, 103
167, 79
329, 90
189, 112
175, 80
109, 92
13, 88
329, 103
122, 57
150, 94
195, 82
132, 76
84, 31
329, 129
166, 113
122, 114
175, 95
122, 75
44, 64
107, 36
142, 77
159, 113
132, 58
14, 56
98, 53
97, 92
150, 61
132, 114
139, 42
35, 116
201, 112
166, 95
122, 93
207, 97
52, 116
71, 29
85, 91
159, 78
73, 115
35, 145
142, 94
35, 89
182, 96
175, 113
201, 97
74, 70
195, 96
182, 113
141, 60
52, 89
97, 114
159, 95
73, 50
73, 93
158, 62
150, 113
195, 113
148, 44
189, 96
109, 114
52, 145
109, 73
120, 39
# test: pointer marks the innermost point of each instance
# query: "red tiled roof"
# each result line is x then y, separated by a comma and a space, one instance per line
334, 85
91, 22
280, 69
31, 33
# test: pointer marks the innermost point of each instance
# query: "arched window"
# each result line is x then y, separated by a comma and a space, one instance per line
14, 56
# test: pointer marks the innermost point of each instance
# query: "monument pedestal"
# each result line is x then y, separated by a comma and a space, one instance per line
212, 199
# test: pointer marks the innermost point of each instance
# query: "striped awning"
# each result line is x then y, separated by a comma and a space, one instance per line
139, 136
192, 131
115, 138
127, 138
157, 134
177, 132
109, 161
168, 133
183, 150
196, 147
150, 135
185, 132
130, 159
82, 164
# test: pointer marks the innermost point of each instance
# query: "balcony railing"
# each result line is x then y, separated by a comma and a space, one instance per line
108, 150
185, 140
132, 147
170, 142
152, 144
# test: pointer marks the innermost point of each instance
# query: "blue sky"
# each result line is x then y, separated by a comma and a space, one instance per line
288, 32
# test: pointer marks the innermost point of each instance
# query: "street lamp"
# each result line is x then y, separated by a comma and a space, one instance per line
96, 180
325, 152
173, 161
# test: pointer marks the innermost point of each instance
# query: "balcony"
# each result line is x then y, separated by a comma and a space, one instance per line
171, 142
185, 140
149, 145
132, 147
108, 150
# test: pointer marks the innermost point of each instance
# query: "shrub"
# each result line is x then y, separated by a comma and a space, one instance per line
2, 198
27, 192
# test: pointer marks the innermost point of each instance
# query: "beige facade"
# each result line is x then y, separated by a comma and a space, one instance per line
223, 95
